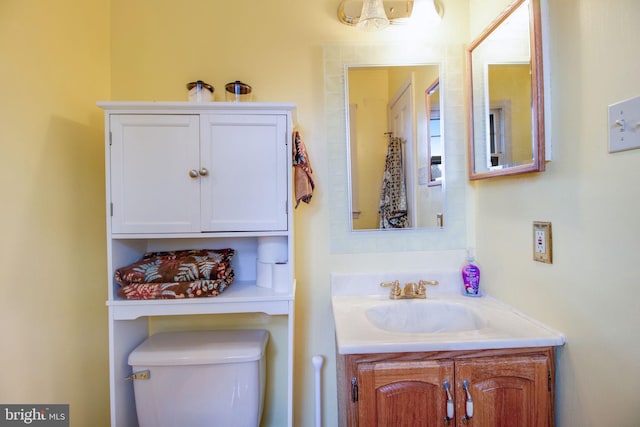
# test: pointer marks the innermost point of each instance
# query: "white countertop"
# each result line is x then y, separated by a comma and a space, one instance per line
502, 326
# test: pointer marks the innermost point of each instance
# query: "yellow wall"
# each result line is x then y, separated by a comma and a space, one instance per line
368, 89
53, 321
56, 61
592, 199
512, 83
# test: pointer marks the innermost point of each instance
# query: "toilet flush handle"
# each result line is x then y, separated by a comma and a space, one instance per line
142, 375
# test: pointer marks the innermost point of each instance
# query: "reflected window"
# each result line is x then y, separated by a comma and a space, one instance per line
434, 136
496, 136
436, 146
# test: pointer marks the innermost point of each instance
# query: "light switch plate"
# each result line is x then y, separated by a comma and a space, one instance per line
624, 125
542, 242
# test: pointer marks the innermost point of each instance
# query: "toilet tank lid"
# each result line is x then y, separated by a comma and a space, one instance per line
200, 348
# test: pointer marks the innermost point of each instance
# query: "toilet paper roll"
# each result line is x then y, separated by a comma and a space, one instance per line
264, 274
281, 280
272, 249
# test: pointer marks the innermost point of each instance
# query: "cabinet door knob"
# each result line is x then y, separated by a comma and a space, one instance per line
193, 173
204, 171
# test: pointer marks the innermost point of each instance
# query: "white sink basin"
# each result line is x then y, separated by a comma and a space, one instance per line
424, 316
367, 321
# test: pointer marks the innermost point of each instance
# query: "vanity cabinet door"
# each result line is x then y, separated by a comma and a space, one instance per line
246, 158
152, 162
403, 394
506, 391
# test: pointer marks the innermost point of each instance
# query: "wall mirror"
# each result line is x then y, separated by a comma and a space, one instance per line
506, 95
339, 57
395, 146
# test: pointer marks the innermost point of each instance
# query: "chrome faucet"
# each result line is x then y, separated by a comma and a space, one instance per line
411, 290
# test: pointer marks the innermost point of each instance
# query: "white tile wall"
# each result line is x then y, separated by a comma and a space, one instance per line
451, 60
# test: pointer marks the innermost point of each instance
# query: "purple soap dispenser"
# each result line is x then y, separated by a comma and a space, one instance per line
471, 276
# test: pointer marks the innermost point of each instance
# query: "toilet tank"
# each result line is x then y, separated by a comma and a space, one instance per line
200, 378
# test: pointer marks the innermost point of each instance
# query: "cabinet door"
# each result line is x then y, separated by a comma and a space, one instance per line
246, 156
506, 391
151, 188
403, 394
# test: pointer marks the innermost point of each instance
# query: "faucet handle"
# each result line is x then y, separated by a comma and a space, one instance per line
428, 282
395, 288
422, 284
390, 284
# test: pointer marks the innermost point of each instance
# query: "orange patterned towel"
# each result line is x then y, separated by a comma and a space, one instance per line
177, 274
303, 174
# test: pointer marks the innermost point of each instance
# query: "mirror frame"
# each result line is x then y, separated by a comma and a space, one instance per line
537, 95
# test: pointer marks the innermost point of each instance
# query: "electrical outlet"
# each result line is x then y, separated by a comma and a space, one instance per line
542, 242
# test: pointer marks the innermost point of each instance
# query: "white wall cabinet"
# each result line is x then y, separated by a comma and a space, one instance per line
248, 185
185, 175
198, 172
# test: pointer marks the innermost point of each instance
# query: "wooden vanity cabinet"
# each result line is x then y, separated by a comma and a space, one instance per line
507, 391
508, 388
402, 393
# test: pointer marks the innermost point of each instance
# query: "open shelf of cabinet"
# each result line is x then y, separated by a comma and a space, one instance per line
241, 297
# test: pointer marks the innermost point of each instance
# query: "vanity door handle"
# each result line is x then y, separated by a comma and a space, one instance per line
204, 171
193, 173
449, 416
469, 403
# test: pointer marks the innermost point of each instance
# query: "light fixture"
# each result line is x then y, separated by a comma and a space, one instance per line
373, 16
355, 12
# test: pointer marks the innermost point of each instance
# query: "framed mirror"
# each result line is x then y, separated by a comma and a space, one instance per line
337, 58
506, 95
395, 146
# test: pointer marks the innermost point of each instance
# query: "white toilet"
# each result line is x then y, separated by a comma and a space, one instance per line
198, 379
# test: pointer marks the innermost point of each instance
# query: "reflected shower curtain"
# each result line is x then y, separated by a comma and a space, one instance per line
393, 196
